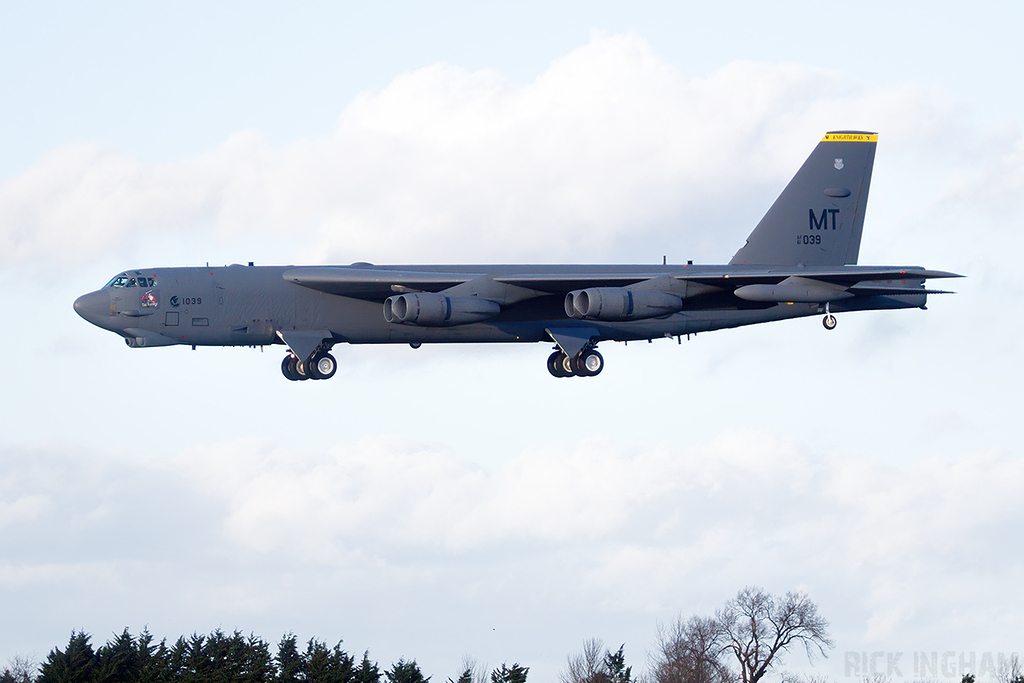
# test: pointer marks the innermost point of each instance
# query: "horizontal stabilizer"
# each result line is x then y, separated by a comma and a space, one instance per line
893, 290
847, 276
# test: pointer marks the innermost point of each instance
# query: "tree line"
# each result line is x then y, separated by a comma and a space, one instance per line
741, 643
222, 658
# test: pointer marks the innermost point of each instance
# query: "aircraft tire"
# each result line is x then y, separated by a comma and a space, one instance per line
323, 366
590, 363
587, 364
288, 368
556, 365
829, 321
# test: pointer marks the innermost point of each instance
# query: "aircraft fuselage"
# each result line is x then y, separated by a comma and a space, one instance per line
799, 260
254, 305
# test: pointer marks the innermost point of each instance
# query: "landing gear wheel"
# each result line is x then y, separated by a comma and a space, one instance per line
829, 321
288, 368
300, 370
556, 365
589, 364
322, 366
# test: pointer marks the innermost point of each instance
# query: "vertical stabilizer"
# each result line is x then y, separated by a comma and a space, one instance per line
819, 217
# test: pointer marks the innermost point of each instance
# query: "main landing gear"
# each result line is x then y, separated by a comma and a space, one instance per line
321, 366
586, 363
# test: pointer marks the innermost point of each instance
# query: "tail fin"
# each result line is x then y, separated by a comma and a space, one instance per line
818, 218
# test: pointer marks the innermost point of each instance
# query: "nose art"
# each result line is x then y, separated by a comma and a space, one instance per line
94, 306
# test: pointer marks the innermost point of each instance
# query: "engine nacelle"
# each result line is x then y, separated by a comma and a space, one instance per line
437, 310
619, 303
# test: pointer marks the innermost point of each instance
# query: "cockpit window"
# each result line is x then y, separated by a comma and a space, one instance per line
123, 280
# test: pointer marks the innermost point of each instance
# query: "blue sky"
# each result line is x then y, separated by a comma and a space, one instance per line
458, 501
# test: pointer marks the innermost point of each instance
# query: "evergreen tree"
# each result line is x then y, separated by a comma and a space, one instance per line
215, 654
117, 661
325, 665
74, 665
405, 672
256, 664
515, 674
150, 659
177, 664
367, 672
615, 665
291, 667
195, 663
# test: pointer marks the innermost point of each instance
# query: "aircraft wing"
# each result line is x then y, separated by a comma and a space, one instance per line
375, 284
378, 283
847, 276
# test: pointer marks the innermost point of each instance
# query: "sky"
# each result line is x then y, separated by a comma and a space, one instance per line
458, 501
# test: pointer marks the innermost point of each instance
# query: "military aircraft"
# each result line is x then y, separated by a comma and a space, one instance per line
799, 261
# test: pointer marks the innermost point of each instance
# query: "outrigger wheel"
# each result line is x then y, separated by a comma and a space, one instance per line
829, 321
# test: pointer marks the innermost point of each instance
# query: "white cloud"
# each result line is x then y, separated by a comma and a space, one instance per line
997, 185
607, 148
21, 508
754, 505
623, 528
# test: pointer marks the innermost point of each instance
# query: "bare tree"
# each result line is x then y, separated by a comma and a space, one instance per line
471, 672
758, 628
689, 652
585, 666
817, 678
1010, 671
20, 670
596, 665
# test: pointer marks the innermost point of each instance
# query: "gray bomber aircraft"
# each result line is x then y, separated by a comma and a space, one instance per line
798, 261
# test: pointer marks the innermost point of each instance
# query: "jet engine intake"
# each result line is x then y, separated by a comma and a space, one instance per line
619, 303
437, 310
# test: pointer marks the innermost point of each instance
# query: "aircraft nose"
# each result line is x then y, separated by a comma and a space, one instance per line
94, 307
